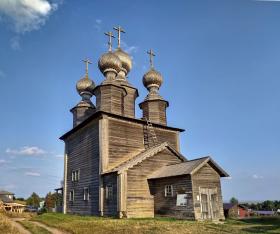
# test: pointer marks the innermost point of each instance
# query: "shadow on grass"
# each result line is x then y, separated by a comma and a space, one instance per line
262, 225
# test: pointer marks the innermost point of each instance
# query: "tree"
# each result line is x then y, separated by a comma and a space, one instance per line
33, 200
234, 201
50, 201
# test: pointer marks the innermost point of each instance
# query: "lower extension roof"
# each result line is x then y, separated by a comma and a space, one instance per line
187, 168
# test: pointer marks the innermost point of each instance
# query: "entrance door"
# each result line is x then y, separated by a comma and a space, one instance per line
209, 203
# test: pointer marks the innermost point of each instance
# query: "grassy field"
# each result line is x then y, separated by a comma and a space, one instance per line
6, 226
82, 224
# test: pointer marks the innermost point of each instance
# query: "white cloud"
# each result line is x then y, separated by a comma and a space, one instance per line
14, 42
2, 74
98, 21
8, 186
59, 156
97, 24
2, 161
26, 150
129, 49
26, 15
30, 173
255, 176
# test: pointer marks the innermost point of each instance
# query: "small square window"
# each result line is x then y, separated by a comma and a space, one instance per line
109, 192
182, 200
86, 194
168, 191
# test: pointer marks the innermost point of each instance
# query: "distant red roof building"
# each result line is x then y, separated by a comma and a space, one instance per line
235, 211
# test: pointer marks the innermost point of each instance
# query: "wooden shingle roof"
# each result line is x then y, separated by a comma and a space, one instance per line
187, 168
144, 155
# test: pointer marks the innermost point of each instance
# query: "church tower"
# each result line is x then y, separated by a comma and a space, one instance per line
115, 95
153, 106
85, 107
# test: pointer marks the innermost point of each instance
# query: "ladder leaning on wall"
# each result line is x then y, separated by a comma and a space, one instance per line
151, 132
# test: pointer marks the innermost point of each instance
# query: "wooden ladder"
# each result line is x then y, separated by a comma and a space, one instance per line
151, 131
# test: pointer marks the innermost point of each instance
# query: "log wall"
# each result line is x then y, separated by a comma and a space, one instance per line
167, 206
83, 155
140, 202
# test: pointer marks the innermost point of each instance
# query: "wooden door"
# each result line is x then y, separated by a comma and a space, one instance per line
209, 203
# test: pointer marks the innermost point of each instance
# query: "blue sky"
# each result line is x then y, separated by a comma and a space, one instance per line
220, 60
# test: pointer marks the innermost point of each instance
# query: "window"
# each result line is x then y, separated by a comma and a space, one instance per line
168, 190
182, 200
86, 194
75, 175
72, 195
109, 192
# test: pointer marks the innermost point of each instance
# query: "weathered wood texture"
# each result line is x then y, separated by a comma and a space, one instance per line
81, 113
155, 111
140, 202
206, 177
129, 101
83, 155
167, 206
126, 139
110, 205
110, 98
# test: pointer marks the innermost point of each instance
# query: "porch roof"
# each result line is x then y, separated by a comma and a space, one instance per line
188, 167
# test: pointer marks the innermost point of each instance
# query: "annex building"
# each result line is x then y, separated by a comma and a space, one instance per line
118, 165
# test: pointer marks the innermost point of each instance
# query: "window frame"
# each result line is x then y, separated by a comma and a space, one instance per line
72, 195
75, 175
109, 192
86, 194
168, 190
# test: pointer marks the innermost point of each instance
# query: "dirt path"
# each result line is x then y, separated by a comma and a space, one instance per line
50, 229
18, 226
22, 230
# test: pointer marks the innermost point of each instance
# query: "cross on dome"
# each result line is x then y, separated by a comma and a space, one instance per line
87, 62
120, 30
110, 35
151, 55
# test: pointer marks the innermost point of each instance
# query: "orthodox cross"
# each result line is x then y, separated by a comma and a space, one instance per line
110, 35
87, 62
120, 30
151, 55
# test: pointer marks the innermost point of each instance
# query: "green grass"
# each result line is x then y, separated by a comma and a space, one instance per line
33, 228
87, 224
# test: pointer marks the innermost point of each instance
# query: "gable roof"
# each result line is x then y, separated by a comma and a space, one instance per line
144, 155
187, 168
3, 192
98, 114
228, 206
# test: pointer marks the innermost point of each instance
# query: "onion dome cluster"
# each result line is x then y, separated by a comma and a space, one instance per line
109, 62
126, 61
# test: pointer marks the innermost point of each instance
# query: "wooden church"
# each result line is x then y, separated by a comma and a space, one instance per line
118, 165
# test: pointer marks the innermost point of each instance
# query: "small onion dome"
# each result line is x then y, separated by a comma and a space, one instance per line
125, 59
152, 78
85, 85
109, 62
